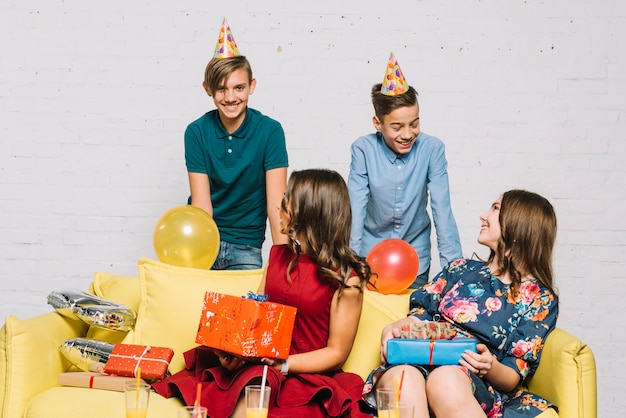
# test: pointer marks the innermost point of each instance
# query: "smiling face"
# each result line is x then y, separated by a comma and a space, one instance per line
490, 231
400, 128
231, 98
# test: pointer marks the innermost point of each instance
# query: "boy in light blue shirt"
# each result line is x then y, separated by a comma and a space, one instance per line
392, 174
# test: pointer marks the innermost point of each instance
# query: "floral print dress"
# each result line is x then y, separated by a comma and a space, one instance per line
514, 329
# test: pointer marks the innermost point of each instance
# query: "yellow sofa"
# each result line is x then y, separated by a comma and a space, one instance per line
168, 301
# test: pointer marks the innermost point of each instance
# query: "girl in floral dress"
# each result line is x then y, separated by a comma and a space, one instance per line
507, 304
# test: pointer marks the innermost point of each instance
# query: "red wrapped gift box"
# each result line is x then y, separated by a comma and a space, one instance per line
246, 327
126, 359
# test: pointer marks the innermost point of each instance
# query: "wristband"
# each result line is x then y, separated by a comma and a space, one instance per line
284, 368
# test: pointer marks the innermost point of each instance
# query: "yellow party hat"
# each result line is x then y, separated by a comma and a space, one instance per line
394, 82
226, 45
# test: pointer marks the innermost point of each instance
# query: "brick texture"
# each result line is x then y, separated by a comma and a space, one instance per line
94, 99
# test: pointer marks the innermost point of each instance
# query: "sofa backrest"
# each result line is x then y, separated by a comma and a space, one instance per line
168, 300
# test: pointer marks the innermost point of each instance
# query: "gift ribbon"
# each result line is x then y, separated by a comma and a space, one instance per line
432, 348
141, 357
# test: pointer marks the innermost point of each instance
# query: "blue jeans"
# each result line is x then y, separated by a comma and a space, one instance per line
420, 280
237, 257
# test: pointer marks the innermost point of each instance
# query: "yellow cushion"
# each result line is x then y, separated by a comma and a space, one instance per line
27, 346
64, 402
171, 303
567, 360
120, 289
378, 311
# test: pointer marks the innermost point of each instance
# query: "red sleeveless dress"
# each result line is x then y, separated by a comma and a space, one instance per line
335, 394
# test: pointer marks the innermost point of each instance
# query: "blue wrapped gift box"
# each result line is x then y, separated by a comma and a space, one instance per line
428, 352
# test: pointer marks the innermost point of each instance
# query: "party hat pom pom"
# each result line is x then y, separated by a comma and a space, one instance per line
226, 45
394, 82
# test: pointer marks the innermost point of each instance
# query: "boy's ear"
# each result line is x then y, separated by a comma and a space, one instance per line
252, 85
206, 88
377, 124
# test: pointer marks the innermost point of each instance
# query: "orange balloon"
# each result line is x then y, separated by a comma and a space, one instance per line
187, 236
394, 264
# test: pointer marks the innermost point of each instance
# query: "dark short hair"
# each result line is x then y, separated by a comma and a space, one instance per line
384, 105
219, 69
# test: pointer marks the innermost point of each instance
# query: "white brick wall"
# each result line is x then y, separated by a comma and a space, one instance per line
530, 94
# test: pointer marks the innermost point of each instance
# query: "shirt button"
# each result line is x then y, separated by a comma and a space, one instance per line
399, 167
230, 137
230, 151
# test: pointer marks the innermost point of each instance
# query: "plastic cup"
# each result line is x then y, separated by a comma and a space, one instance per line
257, 401
137, 396
192, 412
401, 410
389, 408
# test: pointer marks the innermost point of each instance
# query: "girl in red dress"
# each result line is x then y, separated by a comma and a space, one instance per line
323, 278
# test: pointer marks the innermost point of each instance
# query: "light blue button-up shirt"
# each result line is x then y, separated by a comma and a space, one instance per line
389, 194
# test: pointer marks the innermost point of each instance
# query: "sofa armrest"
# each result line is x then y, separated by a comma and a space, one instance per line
30, 359
566, 376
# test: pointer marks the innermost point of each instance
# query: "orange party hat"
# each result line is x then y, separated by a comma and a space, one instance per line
226, 45
394, 82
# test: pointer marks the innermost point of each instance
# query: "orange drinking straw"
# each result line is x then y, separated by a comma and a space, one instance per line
400, 388
196, 405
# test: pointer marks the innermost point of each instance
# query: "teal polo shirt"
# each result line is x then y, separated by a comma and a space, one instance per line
236, 164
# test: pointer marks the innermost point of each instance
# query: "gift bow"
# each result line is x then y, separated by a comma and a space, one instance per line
256, 296
139, 358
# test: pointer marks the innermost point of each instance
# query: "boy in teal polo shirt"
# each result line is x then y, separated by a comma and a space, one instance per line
236, 160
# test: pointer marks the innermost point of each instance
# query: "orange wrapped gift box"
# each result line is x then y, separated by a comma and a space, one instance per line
126, 359
246, 327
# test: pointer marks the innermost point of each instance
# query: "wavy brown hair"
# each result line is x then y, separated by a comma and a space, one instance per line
318, 204
528, 232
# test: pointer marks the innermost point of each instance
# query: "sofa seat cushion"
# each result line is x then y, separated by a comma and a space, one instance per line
64, 402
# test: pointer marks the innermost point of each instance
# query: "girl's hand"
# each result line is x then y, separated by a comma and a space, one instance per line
478, 363
230, 361
392, 331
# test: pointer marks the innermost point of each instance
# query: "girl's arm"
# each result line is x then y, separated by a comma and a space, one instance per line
345, 313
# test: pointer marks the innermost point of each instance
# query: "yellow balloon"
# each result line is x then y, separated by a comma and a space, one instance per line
187, 236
